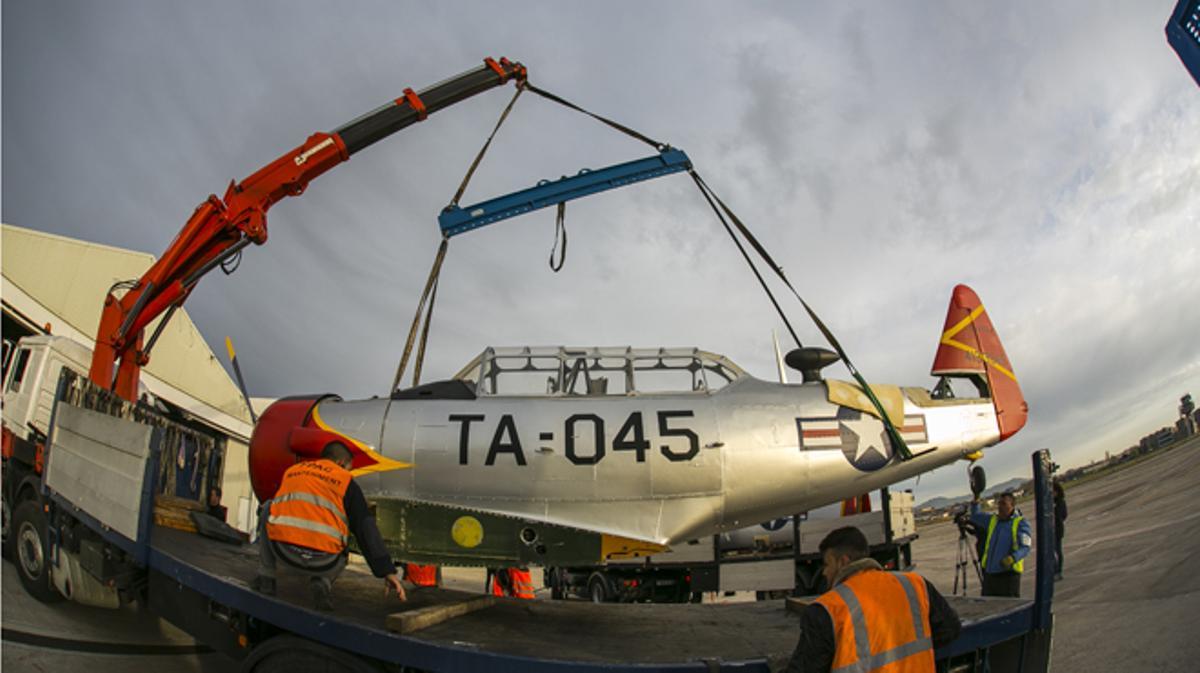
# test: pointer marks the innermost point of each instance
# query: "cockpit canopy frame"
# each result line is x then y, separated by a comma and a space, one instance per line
563, 371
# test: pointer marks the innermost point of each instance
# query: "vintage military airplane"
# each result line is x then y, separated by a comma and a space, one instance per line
602, 456
578, 455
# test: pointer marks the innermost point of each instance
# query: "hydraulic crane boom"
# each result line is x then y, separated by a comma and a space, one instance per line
220, 228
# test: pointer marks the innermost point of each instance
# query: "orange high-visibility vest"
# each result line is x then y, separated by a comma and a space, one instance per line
522, 583
421, 575
308, 510
880, 623
520, 580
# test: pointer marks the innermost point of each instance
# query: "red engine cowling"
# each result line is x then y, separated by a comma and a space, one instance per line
284, 436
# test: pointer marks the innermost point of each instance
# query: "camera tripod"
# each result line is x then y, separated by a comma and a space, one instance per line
966, 557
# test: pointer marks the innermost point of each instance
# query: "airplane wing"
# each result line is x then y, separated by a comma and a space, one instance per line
423, 532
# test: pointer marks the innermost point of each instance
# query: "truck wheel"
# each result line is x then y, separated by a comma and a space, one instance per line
290, 654
7, 528
555, 579
598, 589
32, 561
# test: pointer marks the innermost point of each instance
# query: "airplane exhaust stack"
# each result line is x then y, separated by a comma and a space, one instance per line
970, 348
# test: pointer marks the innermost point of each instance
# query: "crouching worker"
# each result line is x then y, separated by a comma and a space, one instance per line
872, 619
515, 582
308, 524
423, 575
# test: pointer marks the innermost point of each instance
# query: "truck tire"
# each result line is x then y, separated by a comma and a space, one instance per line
599, 589
555, 579
6, 548
30, 554
291, 654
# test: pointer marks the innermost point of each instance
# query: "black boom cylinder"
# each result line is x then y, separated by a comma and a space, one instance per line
386, 120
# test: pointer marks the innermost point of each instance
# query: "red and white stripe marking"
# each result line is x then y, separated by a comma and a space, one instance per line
913, 431
817, 433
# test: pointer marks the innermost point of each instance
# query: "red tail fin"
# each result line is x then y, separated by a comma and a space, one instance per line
970, 346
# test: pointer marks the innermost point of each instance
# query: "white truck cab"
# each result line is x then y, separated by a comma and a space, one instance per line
32, 379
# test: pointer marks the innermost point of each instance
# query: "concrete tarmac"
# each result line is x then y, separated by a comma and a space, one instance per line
69, 638
1129, 601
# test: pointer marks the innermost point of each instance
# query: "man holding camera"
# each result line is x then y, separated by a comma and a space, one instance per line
1007, 538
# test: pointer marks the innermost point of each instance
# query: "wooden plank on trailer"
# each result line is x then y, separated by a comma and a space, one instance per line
415, 620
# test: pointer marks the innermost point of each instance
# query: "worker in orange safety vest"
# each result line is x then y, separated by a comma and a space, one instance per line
422, 575
512, 582
871, 619
308, 524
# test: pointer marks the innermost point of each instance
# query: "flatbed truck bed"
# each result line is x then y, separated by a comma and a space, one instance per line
516, 635
202, 586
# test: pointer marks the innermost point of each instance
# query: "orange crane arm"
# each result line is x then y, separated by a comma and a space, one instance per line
220, 228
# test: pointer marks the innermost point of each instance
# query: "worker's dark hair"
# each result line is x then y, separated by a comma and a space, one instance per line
337, 452
1059, 492
848, 541
1009, 495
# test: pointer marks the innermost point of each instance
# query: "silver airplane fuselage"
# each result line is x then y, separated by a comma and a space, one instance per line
660, 467
535, 454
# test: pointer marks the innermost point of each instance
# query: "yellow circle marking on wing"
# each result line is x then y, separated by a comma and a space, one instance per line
467, 532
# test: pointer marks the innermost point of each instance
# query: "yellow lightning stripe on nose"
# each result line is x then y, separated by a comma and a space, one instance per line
948, 339
382, 463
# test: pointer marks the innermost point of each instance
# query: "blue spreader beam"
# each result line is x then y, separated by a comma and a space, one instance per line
454, 220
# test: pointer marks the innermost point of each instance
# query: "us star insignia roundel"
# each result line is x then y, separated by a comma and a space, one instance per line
863, 441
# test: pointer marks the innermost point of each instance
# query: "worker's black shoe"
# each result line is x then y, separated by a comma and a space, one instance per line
263, 585
321, 593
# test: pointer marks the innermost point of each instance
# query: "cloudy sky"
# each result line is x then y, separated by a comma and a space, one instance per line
1044, 155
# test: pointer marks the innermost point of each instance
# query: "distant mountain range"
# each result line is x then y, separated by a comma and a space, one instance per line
942, 502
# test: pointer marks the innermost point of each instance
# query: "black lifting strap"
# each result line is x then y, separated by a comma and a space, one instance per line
897, 441
431, 283
428, 295
560, 227
416, 380
620, 127
483, 150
